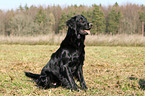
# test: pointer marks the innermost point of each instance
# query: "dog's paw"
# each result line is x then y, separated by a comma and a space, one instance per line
75, 89
83, 86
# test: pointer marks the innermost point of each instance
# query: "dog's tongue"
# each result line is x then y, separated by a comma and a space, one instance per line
88, 31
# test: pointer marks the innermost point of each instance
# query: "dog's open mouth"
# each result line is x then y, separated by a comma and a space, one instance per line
85, 32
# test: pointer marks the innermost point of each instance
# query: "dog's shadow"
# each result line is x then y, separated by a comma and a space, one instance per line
141, 82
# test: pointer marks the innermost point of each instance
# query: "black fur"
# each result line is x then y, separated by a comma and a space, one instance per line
68, 60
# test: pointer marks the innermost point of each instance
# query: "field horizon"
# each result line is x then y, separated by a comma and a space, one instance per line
91, 40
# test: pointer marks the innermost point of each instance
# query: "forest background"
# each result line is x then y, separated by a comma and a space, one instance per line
39, 20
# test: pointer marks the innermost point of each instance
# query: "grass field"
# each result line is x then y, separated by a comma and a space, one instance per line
108, 71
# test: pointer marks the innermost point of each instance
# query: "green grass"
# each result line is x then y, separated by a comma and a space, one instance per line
107, 70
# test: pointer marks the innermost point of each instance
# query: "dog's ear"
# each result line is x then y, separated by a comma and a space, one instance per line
71, 23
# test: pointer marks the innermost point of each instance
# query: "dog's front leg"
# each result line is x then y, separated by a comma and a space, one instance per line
81, 78
70, 78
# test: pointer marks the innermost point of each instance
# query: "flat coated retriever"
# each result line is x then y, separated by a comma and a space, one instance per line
68, 60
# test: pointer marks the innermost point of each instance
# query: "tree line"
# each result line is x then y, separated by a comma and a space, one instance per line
39, 20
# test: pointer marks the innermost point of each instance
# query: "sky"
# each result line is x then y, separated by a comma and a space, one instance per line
14, 4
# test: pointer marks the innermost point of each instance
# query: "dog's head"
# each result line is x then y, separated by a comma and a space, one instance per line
80, 24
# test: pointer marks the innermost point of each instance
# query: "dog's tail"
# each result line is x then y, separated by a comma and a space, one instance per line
31, 75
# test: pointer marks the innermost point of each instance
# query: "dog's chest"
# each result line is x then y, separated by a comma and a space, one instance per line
76, 58
73, 57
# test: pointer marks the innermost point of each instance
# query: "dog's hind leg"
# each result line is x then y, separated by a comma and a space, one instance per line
43, 82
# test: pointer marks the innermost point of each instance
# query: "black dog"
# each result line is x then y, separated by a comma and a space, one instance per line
67, 61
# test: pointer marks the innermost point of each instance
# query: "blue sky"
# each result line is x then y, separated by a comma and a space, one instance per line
13, 4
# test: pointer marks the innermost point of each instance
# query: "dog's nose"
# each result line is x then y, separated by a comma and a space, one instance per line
90, 25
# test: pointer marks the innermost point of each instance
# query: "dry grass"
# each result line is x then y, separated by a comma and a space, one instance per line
108, 71
91, 40
32, 40
116, 40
